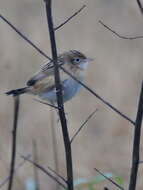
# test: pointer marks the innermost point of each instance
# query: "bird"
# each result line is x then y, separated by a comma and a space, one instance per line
42, 84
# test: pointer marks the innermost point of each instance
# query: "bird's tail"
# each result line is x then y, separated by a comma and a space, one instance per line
17, 91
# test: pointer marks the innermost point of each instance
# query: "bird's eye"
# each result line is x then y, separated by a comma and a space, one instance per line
77, 60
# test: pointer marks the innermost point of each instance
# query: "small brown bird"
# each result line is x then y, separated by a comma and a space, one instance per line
43, 83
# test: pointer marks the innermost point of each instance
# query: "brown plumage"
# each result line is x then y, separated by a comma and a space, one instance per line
43, 81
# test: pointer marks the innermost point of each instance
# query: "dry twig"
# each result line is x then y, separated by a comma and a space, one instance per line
140, 6
44, 170
119, 35
19, 166
66, 139
71, 17
113, 182
136, 143
84, 123
14, 140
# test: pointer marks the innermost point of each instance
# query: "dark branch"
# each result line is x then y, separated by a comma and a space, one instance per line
136, 143
14, 140
118, 35
51, 105
86, 87
71, 17
59, 94
24, 37
58, 175
81, 127
44, 170
140, 6
99, 97
19, 166
113, 182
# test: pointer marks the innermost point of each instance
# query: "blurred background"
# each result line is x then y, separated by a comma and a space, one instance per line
106, 141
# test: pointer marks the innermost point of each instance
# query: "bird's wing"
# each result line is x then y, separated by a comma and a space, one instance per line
41, 86
45, 71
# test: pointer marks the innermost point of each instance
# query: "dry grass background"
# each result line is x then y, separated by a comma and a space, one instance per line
116, 74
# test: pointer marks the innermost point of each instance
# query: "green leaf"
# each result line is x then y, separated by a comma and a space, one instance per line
119, 180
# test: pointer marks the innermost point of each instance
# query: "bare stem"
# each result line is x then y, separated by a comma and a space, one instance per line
14, 139
140, 6
136, 143
84, 123
119, 35
66, 139
45, 103
71, 17
24, 37
113, 182
19, 166
58, 175
99, 97
45, 171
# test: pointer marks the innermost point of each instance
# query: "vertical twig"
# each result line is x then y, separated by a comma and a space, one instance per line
14, 139
136, 143
18, 167
60, 97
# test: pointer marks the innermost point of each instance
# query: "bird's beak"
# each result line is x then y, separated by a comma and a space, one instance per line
88, 60
85, 63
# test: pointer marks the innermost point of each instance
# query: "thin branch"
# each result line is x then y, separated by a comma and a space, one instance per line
24, 37
119, 35
14, 140
140, 6
67, 145
99, 97
58, 175
136, 143
71, 17
113, 182
19, 166
44, 170
85, 86
51, 105
81, 127
29, 41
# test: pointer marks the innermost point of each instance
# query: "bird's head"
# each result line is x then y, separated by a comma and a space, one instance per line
76, 60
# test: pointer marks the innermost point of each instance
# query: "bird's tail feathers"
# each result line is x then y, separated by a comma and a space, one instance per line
17, 91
